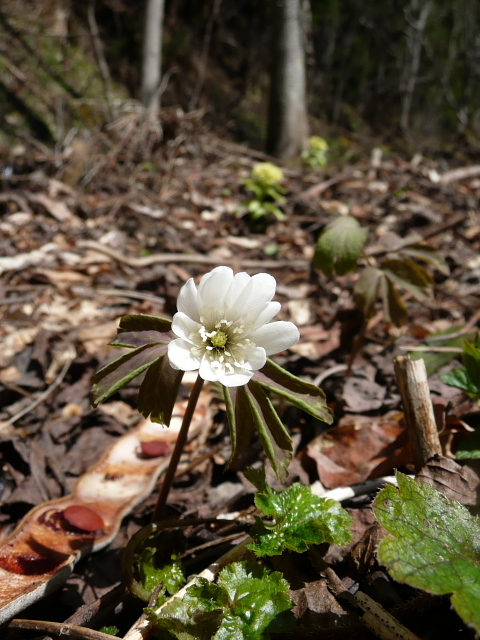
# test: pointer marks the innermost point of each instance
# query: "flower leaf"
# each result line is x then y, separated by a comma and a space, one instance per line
366, 290
145, 322
300, 520
121, 371
393, 307
246, 604
274, 437
159, 391
434, 545
240, 420
339, 246
301, 394
408, 274
427, 253
133, 339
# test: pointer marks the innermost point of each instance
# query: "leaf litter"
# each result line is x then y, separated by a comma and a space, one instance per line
76, 257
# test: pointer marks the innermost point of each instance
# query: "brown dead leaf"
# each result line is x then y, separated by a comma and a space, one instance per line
458, 482
348, 453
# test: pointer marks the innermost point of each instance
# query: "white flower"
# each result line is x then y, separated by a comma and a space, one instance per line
222, 327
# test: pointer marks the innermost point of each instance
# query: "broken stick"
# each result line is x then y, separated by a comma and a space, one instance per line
418, 409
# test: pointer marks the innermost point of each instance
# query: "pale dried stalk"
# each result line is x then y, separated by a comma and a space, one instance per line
418, 409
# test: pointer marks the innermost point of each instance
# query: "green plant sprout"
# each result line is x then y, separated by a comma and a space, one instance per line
315, 155
264, 182
389, 268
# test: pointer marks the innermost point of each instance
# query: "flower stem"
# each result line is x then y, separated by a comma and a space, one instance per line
177, 451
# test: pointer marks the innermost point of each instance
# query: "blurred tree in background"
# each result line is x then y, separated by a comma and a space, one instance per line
401, 70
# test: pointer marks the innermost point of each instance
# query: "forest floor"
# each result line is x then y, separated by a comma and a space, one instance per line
86, 234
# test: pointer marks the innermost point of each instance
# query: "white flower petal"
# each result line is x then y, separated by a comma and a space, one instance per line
213, 287
276, 336
183, 327
260, 316
255, 358
181, 357
187, 300
240, 281
258, 291
237, 379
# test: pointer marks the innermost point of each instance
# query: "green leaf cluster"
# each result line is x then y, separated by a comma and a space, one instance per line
297, 519
147, 337
339, 248
434, 544
399, 269
268, 193
250, 408
159, 561
247, 603
315, 155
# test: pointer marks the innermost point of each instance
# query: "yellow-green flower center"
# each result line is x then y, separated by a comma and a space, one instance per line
219, 339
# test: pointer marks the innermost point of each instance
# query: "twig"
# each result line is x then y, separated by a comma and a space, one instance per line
43, 396
60, 629
204, 55
418, 409
102, 63
194, 258
428, 349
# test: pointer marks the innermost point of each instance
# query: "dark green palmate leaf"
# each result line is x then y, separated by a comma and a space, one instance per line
435, 544
300, 519
121, 371
393, 307
248, 603
406, 273
144, 322
301, 394
366, 290
339, 246
148, 337
250, 408
159, 391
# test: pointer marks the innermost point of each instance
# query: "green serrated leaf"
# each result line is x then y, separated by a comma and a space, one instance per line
274, 437
461, 379
408, 274
121, 371
435, 544
366, 290
145, 322
300, 519
159, 561
393, 308
427, 253
159, 390
301, 394
257, 597
339, 246
243, 605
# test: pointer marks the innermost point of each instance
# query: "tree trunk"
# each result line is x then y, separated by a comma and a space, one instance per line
287, 118
152, 54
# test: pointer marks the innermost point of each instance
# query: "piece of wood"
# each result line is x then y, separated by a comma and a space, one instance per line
418, 409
